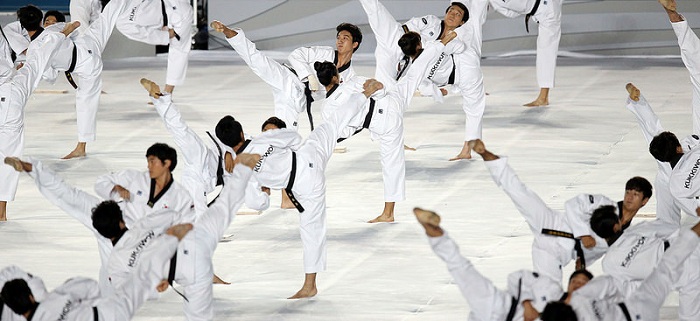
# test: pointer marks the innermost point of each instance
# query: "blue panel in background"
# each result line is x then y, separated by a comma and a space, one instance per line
13, 5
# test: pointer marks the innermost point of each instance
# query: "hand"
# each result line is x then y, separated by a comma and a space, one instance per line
246, 159
20, 65
587, 241
443, 91
229, 162
371, 86
448, 37
529, 312
123, 192
162, 286
171, 33
266, 190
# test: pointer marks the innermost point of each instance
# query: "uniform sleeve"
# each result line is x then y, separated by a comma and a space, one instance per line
285, 137
80, 288
579, 209
690, 142
503, 10
417, 24
601, 288
648, 122
35, 283
105, 183
14, 33
149, 35
302, 59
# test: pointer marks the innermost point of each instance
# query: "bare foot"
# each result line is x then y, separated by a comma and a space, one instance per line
304, 293
633, 91
70, 27
218, 26
15, 162
668, 4
79, 151
429, 220
3, 211
406, 147
218, 280
152, 88
465, 153
479, 147
382, 218
371, 86
179, 230
537, 103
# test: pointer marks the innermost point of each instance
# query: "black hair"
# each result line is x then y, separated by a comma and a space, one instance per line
274, 121
106, 217
558, 311
603, 221
663, 147
229, 131
15, 294
163, 152
409, 43
60, 17
585, 272
325, 72
639, 184
30, 17
465, 17
354, 31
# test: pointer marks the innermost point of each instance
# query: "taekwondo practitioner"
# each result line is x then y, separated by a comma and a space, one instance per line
85, 11
81, 299
145, 192
528, 293
36, 285
559, 238
547, 14
166, 23
15, 88
21, 32
205, 167
383, 117
52, 17
80, 58
347, 41
668, 207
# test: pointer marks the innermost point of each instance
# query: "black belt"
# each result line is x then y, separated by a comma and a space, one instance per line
96, 317
451, 80
532, 12
309, 100
171, 275
368, 120
290, 184
623, 307
514, 302
73, 61
577, 245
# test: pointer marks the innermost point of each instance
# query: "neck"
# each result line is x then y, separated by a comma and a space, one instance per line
31, 33
627, 215
344, 58
164, 179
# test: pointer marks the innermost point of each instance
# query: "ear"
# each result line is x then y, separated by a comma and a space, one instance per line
355, 45
644, 201
167, 163
679, 150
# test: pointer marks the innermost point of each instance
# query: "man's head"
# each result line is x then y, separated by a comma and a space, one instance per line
18, 296
30, 17
161, 159
52, 17
230, 132
410, 44
558, 311
327, 73
273, 123
348, 37
605, 222
665, 147
578, 279
456, 15
107, 219
637, 193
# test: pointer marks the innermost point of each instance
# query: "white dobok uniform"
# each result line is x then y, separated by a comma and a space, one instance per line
690, 54
192, 265
85, 11
486, 302
287, 89
549, 252
35, 284
15, 89
140, 186
385, 115
18, 39
668, 208
203, 164
599, 299
79, 299
143, 21
684, 183
548, 17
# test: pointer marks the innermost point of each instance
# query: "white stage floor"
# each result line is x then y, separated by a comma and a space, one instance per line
585, 141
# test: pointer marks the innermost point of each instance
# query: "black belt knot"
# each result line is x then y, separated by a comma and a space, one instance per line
532, 12
73, 61
367, 122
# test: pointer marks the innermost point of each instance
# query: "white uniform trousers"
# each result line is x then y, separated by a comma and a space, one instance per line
181, 19
287, 89
549, 253
690, 53
548, 16
387, 33
85, 11
13, 97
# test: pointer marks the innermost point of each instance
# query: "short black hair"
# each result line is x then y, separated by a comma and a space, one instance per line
15, 293
558, 311
60, 17
663, 147
639, 184
585, 272
274, 121
409, 43
354, 31
163, 152
603, 221
106, 217
229, 131
465, 17
325, 72
30, 17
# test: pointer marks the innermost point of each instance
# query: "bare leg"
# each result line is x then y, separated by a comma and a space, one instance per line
387, 214
542, 99
406, 147
3, 211
218, 280
430, 221
309, 288
634, 91
465, 153
79, 151
169, 88
286, 202
478, 146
